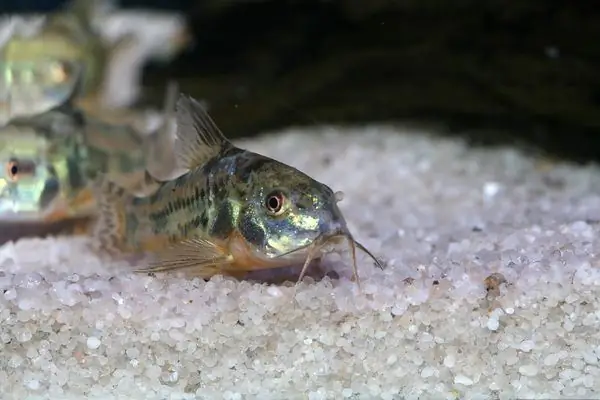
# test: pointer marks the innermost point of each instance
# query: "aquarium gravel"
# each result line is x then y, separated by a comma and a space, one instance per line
490, 291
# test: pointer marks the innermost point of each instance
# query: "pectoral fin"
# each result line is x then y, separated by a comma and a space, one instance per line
204, 256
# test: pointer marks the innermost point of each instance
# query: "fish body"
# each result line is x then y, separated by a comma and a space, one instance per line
234, 211
50, 160
43, 163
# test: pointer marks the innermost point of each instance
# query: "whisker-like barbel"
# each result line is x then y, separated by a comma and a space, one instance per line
367, 252
321, 241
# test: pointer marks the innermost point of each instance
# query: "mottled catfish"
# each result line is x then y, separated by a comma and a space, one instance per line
234, 211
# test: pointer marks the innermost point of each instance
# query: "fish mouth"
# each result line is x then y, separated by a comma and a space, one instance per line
318, 247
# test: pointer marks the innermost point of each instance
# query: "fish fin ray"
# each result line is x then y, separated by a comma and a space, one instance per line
202, 255
198, 137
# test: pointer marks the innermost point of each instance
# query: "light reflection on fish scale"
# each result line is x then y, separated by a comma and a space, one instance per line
166, 212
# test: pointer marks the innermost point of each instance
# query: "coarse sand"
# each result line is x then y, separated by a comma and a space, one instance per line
490, 292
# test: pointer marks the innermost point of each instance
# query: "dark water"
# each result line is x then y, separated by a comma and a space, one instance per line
48, 5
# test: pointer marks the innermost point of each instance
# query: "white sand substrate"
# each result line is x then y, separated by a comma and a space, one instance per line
442, 216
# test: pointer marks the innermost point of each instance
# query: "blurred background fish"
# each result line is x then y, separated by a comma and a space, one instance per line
67, 35
157, 36
30, 87
68, 77
48, 161
112, 45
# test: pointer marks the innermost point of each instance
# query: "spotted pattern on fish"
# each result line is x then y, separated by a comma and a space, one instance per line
196, 202
194, 224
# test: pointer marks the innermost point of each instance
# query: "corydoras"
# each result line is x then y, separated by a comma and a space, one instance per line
232, 212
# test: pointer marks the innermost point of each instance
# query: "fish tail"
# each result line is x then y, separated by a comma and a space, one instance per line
110, 229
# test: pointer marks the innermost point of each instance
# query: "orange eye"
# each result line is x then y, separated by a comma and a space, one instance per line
274, 202
12, 169
15, 169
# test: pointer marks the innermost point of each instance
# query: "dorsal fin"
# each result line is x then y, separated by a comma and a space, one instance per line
198, 137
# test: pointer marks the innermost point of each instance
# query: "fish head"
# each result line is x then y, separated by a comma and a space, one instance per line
30, 87
34, 177
289, 213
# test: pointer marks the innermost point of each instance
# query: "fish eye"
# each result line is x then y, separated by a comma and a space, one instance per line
274, 202
12, 169
15, 169
59, 72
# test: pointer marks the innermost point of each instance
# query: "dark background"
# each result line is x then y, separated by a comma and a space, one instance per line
517, 72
